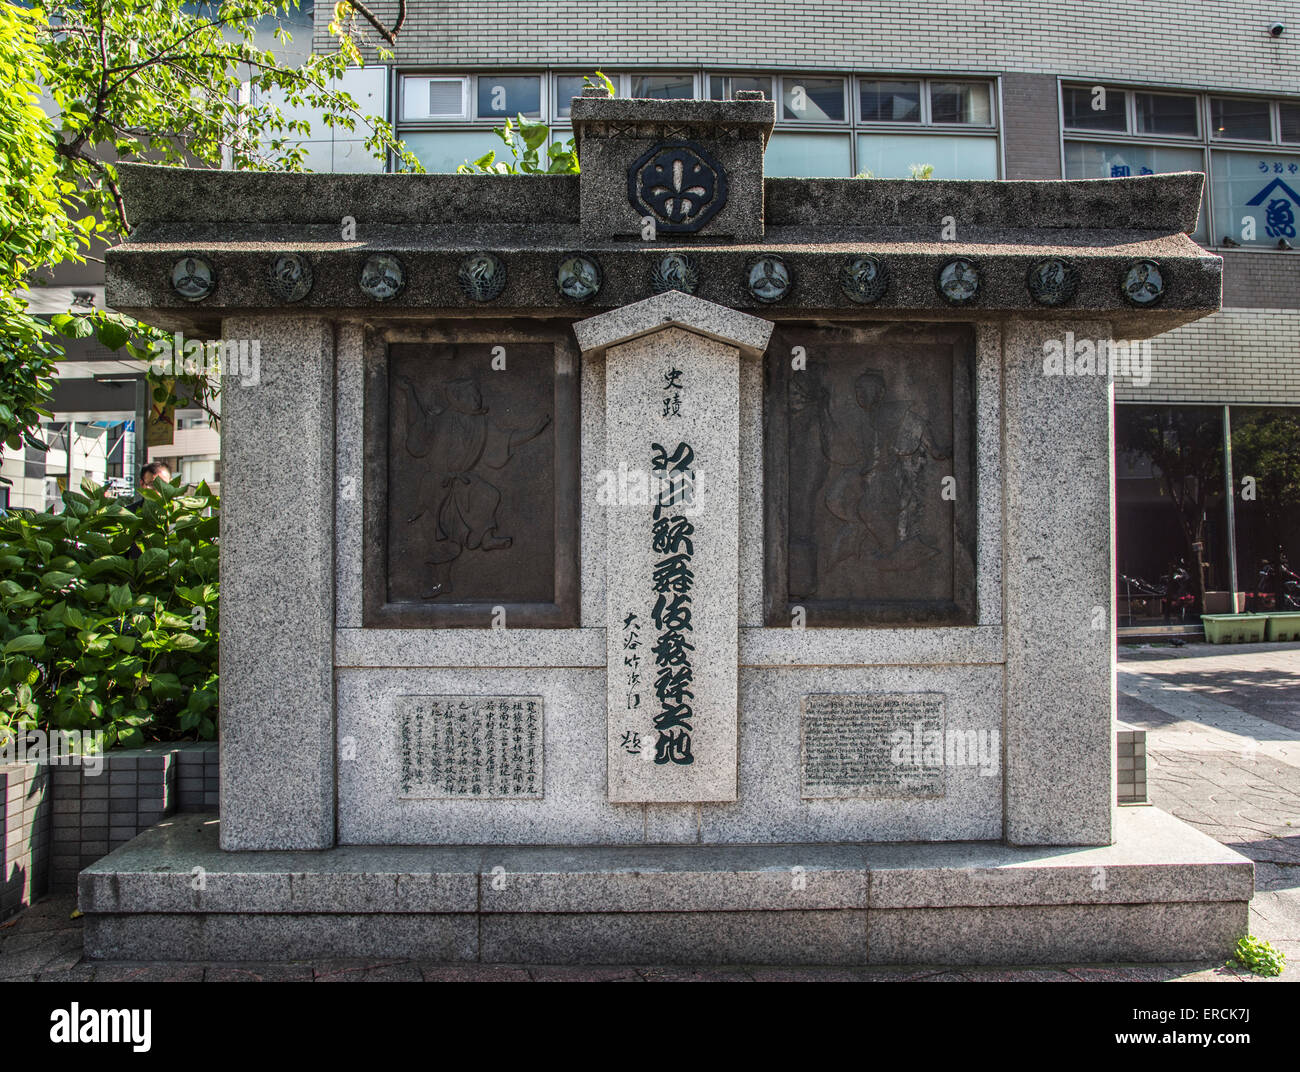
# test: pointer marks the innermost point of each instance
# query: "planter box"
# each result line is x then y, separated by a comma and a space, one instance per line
1284, 625
136, 788
1234, 628
25, 805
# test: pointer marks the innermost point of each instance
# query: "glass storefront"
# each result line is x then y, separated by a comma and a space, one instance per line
1173, 554
1171, 532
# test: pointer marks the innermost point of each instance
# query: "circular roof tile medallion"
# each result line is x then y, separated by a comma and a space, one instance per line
1144, 283
482, 276
675, 271
578, 277
291, 277
959, 281
382, 277
193, 278
1053, 281
864, 279
768, 279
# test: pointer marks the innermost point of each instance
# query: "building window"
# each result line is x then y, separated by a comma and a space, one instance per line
961, 102
1289, 123
509, 95
425, 97
889, 102
1166, 115
1267, 525
812, 100
795, 154
448, 119
1247, 120
1171, 520
567, 86
725, 87
895, 155
1256, 197
1094, 108
663, 86
1253, 193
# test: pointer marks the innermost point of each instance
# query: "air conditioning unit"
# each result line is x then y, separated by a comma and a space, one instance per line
425, 97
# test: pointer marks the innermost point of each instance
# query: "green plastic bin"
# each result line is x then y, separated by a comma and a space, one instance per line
1235, 628
1284, 625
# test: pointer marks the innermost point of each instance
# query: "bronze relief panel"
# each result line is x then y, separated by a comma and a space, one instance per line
869, 475
472, 479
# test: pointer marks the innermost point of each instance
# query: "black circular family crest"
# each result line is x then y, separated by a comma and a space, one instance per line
193, 278
678, 184
482, 276
1053, 281
1143, 283
382, 277
768, 279
959, 281
675, 271
864, 279
291, 276
578, 277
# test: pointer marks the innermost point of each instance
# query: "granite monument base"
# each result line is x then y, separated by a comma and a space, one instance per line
1162, 892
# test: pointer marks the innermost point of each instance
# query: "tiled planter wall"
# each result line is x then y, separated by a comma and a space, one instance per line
25, 821
58, 819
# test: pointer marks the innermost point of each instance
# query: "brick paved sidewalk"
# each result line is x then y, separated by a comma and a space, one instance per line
1223, 734
1223, 740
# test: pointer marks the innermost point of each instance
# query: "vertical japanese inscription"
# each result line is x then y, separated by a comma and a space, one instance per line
673, 580
473, 747
672, 425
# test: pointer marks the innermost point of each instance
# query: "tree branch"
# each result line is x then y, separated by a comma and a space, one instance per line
388, 35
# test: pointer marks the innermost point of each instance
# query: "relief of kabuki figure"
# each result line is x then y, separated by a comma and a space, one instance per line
454, 438
876, 487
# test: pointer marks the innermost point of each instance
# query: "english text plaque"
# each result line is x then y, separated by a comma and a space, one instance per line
871, 744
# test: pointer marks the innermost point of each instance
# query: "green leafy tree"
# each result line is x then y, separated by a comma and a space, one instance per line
150, 80
42, 221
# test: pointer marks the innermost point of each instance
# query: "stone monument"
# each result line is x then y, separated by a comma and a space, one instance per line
667, 564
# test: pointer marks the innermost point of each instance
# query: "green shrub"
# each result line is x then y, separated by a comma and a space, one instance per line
108, 616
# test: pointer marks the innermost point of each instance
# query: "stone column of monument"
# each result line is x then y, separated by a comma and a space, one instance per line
277, 593
1058, 569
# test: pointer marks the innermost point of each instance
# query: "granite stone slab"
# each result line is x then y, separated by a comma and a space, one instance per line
672, 402
573, 808
277, 554
832, 937
671, 879
1046, 934
769, 807
442, 938
1059, 575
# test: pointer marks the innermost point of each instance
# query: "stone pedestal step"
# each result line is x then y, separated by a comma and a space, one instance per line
1163, 891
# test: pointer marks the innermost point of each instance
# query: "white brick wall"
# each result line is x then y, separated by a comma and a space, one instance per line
1220, 44
1237, 355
